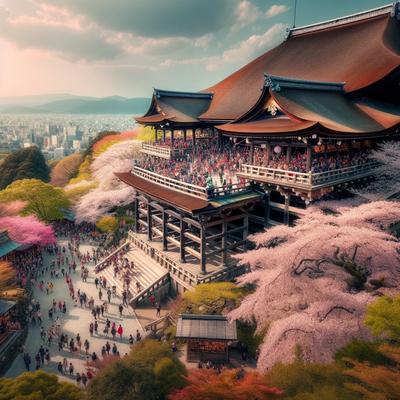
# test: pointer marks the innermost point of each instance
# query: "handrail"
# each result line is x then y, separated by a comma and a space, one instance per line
309, 179
146, 291
188, 188
118, 249
164, 151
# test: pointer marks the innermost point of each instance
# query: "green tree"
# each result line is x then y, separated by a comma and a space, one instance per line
44, 200
150, 372
303, 381
212, 298
383, 317
24, 164
107, 223
38, 385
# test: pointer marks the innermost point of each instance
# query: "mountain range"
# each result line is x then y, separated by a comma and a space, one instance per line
71, 104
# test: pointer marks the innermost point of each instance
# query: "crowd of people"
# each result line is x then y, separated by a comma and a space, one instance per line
63, 262
216, 166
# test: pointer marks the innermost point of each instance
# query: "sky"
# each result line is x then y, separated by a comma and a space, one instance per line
128, 47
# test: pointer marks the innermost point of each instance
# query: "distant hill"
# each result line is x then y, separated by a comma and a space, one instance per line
68, 104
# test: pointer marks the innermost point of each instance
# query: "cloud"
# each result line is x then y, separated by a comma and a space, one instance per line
275, 10
246, 13
68, 42
154, 18
238, 54
250, 48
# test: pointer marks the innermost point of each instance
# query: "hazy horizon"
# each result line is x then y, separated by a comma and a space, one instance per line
127, 47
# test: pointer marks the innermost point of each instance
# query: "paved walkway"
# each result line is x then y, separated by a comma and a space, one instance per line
76, 320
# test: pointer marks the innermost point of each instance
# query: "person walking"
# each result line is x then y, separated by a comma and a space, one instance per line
108, 295
130, 340
108, 347
60, 368
84, 379
91, 328
27, 361
65, 364
71, 369
158, 310
78, 378
96, 326
120, 331
86, 345
120, 308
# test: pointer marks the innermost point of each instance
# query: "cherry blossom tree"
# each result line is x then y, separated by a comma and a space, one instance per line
386, 183
28, 230
314, 281
110, 192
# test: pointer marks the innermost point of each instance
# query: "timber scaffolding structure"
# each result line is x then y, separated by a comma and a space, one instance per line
192, 237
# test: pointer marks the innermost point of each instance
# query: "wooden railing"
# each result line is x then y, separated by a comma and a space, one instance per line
160, 323
188, 278
146, 292
307, 180
100, 264
188, 188
164, 151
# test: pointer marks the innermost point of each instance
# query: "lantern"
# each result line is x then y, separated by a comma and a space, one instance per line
277, 149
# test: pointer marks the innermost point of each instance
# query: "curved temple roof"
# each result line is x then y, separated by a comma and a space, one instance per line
308, 104
178, 107
358, 50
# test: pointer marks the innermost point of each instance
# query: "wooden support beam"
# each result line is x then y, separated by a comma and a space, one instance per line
173, 214
193, 252
192, 222
136, 211
149, 223
309, 158
224, 243
173, 241
228, 219
174, 227
164, 230
157, 206
267, 209
182, 241
286, 210
192, 237
203, 247
246, 227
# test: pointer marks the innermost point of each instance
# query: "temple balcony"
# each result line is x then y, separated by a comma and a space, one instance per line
163, 151
187, 188
310, 181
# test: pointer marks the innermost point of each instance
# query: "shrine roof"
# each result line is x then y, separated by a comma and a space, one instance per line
357, 50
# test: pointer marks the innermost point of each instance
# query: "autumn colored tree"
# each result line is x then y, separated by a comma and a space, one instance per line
150, 372
65, 169
37, 386
383, 317
206, 384
43, 200
28, 163
8, 279
313, 281
376, 382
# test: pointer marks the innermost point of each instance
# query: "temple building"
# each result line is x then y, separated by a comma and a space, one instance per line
287, 129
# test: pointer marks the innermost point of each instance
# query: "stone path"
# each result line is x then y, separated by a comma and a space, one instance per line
76, 320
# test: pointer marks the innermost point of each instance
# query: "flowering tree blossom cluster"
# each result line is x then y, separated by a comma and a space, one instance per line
25, 230
110, 192
386, 183
314, 281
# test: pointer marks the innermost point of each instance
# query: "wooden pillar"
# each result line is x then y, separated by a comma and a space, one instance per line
286, 211
163, 135
182, 241
252, 152
194, 138
288, 153
268, 153
184, 135
245, 228
172, 137
164, 230
149, 222
326, 153
136, 211
203, 254
309, 158
224, 242
267, 210
219, 137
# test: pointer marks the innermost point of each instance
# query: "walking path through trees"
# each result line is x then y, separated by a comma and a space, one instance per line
76, 320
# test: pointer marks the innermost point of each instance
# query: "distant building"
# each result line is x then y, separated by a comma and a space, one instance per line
59, 153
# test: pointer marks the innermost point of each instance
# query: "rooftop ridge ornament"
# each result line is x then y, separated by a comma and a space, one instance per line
276, 83
391, 9
395, 13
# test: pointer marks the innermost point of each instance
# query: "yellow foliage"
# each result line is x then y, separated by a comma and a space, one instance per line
84, 171
108, 223
75, 192
146, 133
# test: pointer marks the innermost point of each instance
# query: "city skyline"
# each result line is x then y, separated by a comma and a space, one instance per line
70, 46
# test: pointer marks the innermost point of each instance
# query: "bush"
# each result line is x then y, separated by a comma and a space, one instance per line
108, 223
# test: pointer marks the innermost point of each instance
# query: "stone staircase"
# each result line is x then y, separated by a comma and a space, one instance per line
147, 272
